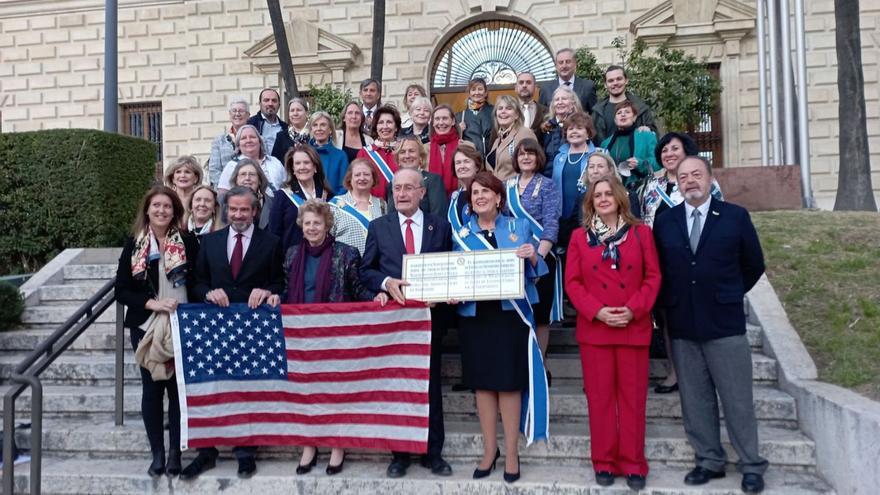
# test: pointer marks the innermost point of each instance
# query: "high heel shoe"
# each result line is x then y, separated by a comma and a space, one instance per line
511, 477
172, 468
157, 467
482, 473
331, 469
305, 468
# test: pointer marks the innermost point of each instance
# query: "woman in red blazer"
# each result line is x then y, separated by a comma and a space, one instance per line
612, 278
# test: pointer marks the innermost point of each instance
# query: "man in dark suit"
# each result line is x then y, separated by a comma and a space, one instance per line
237, 264
533, 112
585, 89
410, 231
710, 256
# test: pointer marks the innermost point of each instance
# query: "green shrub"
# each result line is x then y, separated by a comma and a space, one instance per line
11, 306
67, 188
329, 99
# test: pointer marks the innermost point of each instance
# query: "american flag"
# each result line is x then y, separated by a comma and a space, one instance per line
352, 375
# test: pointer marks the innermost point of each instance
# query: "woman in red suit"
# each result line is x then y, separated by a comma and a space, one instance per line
612, 278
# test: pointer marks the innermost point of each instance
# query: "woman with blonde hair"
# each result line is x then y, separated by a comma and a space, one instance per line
565, 103
203, 211
183, 176
509, 131
420, 114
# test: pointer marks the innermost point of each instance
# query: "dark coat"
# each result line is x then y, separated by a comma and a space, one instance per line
345, 264
257, 120
135, 293
703, 292
585, 89
282, 217
478, 128
603, 117
260, 269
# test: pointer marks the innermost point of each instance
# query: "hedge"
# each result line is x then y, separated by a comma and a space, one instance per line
67, 188
11, 306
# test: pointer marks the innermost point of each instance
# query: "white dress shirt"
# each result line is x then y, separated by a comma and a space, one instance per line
418, 224
704, 211
245, 241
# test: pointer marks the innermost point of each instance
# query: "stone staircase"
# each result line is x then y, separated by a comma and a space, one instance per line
85, 453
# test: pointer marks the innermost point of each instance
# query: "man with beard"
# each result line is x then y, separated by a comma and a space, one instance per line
266, 120
710, 256
533, 112
603, 113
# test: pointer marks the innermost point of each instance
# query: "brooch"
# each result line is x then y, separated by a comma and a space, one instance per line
340, 202
464, 232
513, 237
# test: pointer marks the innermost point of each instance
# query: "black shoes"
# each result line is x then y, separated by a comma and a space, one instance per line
701, 476
635, 481
604, 478
172, 468
247, 467
482, 473
511, 477
437, 465
752, 483
666, 389
397, 468
331, 469
157, 467
305, 468
198, 466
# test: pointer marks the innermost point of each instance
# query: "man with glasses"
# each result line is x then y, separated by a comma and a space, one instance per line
223, 147
410, 230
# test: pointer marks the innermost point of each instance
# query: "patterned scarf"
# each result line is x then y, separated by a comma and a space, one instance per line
301, 137
599, 233
200, 231
146, 249
475, 106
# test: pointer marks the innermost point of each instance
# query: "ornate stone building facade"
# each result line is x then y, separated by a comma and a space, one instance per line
184, 59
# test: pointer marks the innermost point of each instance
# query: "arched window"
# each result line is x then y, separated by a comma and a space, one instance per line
493, 50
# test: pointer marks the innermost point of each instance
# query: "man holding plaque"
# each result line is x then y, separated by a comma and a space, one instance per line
410, 230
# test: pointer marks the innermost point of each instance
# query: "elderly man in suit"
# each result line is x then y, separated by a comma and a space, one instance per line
410, 230
237, 264
585, 89
710, 256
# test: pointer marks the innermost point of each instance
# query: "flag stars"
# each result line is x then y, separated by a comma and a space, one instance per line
187, 330
192, 373
202, 316
198, 350
237, 316
185, 316
200, 364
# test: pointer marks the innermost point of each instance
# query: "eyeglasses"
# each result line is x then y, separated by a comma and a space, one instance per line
248, 174
236, 111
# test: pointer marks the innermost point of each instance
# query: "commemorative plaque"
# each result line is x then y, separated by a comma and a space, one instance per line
485, 275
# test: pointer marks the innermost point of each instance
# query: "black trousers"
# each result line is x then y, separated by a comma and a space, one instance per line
152, 401
440, 318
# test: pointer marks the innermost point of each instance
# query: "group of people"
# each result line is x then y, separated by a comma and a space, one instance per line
630, 232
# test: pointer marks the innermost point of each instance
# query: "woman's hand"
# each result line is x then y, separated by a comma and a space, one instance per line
527, 251
613, 317
632, 162
462, 126
544, 247
166, 305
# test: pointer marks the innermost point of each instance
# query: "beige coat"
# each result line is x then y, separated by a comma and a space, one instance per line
504, 152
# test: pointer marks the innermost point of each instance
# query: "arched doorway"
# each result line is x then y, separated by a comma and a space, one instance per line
495, 50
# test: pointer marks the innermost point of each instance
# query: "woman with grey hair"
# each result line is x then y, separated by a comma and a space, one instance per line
222, 148
248, 174
564, 103
420, 114
333, 160
249, 144
297, 131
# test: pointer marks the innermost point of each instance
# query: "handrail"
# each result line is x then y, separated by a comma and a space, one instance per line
27, 373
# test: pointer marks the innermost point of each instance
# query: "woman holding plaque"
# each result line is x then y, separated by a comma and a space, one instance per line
495, 336
612, 277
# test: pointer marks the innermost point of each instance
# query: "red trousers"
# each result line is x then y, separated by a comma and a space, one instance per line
616, 382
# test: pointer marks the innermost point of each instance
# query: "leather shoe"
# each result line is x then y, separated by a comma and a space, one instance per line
635, 481
198, 466
305, 468
397, 468
604, 478
752, 483
172, 468
331, 469
701, 476
157, 467
437, 465
666, 389
247, 467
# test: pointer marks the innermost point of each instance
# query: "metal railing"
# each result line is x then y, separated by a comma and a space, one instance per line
26, 374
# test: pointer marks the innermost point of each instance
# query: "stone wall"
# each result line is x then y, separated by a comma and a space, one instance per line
193, 55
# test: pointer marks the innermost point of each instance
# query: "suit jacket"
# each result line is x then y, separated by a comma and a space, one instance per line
591, 284
538, 119
383, 254
585, 89
345, 284
703, 292
260, 269
478, 128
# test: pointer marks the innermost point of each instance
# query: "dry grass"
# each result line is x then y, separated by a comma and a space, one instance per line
825, 267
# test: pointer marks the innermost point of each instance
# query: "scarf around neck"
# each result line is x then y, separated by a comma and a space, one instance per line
296, 286
600, 233
439, 162
146, 249
474, 106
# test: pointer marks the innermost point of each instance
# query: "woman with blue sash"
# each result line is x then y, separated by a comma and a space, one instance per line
384, 131
500, 356
534, 197
355, 209
306, 181
466, 163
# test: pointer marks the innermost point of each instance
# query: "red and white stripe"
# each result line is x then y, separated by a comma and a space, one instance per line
357, 378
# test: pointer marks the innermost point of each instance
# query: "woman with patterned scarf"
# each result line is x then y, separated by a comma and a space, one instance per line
156, 270
477, 121
612, 277
297, 131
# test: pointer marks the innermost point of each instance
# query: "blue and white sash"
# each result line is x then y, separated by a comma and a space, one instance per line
383, 167
296, 199
661, 191
351, 211
455, 222
519, 211
535, 413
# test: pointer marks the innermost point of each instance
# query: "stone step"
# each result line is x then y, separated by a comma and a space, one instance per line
89, 476
67, 293
56, 314
566, 403
104, 271
98, 337
98, 367
568, 443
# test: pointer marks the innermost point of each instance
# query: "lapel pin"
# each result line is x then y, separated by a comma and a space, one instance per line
715, 213
431, 227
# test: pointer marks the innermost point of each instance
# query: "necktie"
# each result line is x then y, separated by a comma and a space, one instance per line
696, 230
527, 118
568, 83
237, 256
410, 238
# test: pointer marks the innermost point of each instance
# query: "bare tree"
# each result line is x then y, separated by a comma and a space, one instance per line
854, 189
283, 49
378, 40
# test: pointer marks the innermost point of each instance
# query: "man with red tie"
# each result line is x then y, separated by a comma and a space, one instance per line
410, 230
238, 264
